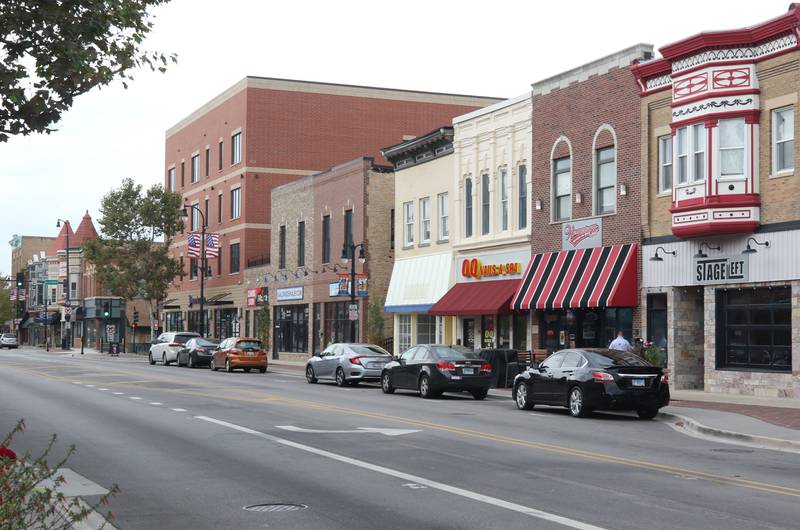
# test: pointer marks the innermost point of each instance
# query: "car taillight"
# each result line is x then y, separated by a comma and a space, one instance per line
665, 379
356, 359
602, 377
446, 367
174, 344
486, 368
201, 349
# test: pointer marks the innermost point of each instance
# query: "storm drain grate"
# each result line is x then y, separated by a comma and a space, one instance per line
275, 507
732, 450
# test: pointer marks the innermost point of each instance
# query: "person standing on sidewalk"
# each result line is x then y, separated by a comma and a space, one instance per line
620, 343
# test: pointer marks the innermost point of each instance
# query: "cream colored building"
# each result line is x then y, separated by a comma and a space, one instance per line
423, 230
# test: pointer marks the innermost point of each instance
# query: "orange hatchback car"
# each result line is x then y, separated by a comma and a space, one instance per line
239, 352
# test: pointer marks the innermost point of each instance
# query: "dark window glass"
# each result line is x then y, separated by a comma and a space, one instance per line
301, 244
221, 147
391, 229
468, 208
326, 239
485, 220
192, 268
348, 227
208, 160
235, 257
219, 208
282, 248
572, 360
522, 177
219, 262
291, 323
205, 213
553, 362
183, 174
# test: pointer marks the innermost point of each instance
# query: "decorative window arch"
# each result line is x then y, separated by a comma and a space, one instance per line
561, 182
604, 173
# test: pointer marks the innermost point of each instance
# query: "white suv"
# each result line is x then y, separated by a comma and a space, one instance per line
8, 340
167, 346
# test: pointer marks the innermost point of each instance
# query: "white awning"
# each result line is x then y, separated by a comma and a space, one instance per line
418, 283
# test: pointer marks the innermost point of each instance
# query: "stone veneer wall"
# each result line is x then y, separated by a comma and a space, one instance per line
685, 328
763, 384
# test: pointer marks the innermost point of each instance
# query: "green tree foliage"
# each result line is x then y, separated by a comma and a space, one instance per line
53, 51
375, 322
6, 305
264, 326
132, 257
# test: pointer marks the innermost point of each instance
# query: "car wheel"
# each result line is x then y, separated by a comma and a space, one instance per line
340, 378
164, 359
178, 362
150, 358
647, 414
228, 367
310, 375
577, 407
386, 383
425, 390
211, 364
480, 394
521, 397
247, 370
190, 362
262, 370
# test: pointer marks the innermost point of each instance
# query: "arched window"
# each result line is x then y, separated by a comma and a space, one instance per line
605, 170
561, 185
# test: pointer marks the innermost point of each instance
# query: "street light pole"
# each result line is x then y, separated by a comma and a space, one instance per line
348, 254
203, 227
67, 302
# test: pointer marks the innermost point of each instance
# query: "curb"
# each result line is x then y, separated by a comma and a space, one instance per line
685, 423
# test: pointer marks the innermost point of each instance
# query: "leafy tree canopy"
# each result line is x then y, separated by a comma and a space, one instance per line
55, 50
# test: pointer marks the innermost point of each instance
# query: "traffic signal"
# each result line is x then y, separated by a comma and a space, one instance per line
106, 310
135, 316
79, 313
20, 279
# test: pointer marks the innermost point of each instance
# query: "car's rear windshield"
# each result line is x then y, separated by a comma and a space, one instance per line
248, 345
183, 339
606, 358
369, 350
445, 352
205, 342
9, 336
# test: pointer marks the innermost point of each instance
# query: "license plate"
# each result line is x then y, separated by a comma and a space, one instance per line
637, 382
467, 371
376, 365
251, 354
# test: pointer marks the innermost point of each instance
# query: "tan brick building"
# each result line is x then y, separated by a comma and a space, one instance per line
720, 209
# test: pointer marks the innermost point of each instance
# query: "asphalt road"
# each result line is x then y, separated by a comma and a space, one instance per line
192, 448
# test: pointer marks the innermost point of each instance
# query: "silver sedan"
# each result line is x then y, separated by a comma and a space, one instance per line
347, 363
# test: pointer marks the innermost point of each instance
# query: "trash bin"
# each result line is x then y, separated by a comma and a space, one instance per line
114, 350
500, 360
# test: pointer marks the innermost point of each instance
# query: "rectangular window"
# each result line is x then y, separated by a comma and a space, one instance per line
282, 247
221, 148
562, 186
606, 201
183, 267
236, 203
326, 239
698, 152
439, 330
195, 168
754, 329
403, 333
731, 147
783, 140
391, 229
522, 177
195, 224
219, 208
348, 227
408, 224
53, 295
682, 153
485, 210
183, 174
192, 268
73, 286
425, 220
444, 228
219, 262
301, 244
236, 148
505, 193
426, 329
234, 257
468, 207
664, 164
208, 160
171, 178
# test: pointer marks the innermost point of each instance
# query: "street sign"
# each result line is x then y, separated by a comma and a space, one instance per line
51, 282
111, 331
353, 311
68, 310
67, 302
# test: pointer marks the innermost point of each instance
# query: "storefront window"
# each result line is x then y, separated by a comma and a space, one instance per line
193, 318
174, 321
754, 329
337, 324
487, 332
657, 323
403, 332
292, 328
426, 329
224, 323
520, 331
504, 331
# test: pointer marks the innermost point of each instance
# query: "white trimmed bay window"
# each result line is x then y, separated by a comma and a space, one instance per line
690, 154
731, 148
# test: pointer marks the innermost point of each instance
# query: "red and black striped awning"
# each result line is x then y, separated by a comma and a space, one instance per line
587, 277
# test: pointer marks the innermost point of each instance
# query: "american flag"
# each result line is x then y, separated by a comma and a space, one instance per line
212, 245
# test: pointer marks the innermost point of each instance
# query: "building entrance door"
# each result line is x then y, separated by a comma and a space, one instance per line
468, 333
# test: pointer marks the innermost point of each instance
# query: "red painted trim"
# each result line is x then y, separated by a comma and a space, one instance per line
708, 157
714, 228
740, 200
655, 90
624, 294
737, 62
716, 94
692, 204
754, 114
738, 37
605, 275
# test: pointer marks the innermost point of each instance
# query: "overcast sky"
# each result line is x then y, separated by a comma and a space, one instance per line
492, 48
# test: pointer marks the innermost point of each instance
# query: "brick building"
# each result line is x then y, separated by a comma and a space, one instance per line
228, 155
720, 215
581, 283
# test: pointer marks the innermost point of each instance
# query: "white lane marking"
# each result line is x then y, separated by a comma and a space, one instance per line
136, 398
178, 410
155, 403
376, 430
102, 389
119, 393
535, 414
89, 386
76, 383
525, 510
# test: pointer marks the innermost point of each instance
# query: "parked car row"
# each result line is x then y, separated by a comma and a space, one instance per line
191, 350
582, 380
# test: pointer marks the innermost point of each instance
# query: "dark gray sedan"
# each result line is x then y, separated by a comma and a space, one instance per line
197, 352
347, 363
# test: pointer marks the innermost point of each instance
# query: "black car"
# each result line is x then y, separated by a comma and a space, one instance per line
594, 379
197, 352
432, 369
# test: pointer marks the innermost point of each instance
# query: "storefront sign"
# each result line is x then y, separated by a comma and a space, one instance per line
195, 300
333, 289
587, 233
343, 285
486, 267
725, 269
257, 296
285, 294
